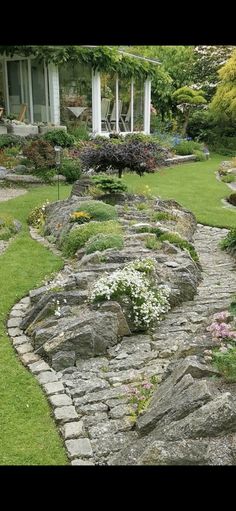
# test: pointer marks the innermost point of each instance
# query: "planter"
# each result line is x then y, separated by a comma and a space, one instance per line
24, 129
45, 129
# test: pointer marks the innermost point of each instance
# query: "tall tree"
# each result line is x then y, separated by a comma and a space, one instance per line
223, 105
208, 61
186, 99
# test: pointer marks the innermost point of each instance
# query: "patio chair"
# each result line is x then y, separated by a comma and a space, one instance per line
112, 119
105, 108
21, 115
125, 119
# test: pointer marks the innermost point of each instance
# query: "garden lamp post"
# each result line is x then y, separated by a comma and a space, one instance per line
57, 149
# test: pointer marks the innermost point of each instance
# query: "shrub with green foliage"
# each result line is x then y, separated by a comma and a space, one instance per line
225, 363
187, 147
176, 240
80, 133
71, 169
98, 210
228, 178
229, 243
109, 184
7, 227
102, 242
40, 153
9, 140
200, 156
232, 199
152, 243
60, 138
78, 236
162, 215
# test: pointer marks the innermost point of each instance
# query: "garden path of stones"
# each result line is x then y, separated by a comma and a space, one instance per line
90, 402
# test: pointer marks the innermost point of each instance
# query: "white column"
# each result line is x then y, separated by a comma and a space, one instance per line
54, 93
117, 104
132, 106
96, 102
31, 109
6, 88
147, 105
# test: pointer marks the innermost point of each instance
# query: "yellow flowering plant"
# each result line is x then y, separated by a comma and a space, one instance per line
80, 217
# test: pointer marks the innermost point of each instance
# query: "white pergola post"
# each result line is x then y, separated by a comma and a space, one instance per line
96, 102
147, 105
54, 93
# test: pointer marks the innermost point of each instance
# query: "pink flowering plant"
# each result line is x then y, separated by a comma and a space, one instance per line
140, 395
223, 329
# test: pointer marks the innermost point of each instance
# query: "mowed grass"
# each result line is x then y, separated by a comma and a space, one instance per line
194, 185
28, 435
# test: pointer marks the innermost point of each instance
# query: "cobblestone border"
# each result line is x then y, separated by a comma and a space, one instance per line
71, 426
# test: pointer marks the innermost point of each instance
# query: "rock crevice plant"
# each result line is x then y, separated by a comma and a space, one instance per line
135, 282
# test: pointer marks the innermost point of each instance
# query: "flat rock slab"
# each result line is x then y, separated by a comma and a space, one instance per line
10, 193
79, 448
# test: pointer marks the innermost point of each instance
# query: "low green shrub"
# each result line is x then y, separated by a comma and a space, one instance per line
7, 227
60, 138
200, 156
80, 217
9, 140
71, 169
102, 241
176, 240
187, 147
98, 210
229, 242
12, 150
162, 215
152, 243
232, 199
228, 178
78, 236
109, 184
80, 133
225, 363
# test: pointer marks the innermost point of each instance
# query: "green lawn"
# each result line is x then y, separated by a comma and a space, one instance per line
194, 185
28, 435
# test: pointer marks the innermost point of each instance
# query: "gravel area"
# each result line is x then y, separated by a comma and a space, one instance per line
10, 193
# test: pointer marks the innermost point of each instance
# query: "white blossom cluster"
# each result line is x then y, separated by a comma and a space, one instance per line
148, 304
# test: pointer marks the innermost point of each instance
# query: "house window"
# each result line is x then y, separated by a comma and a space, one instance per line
122, 104
76, 95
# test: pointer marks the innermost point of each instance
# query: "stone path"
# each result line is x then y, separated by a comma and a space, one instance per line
10, 193
91, 402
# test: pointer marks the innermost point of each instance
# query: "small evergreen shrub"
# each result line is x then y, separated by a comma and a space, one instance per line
225, 363
78, 236
60, 138
200, 156
102, 242
71, 169
98, 210
153, 244
109, 184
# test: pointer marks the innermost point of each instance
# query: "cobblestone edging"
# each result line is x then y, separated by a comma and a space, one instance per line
90, 402
70, 425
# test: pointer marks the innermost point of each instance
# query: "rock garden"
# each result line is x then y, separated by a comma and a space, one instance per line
123, 340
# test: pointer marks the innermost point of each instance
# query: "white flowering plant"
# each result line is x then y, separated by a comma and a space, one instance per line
134, 281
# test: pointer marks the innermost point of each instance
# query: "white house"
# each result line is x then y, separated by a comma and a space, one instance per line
77, 92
